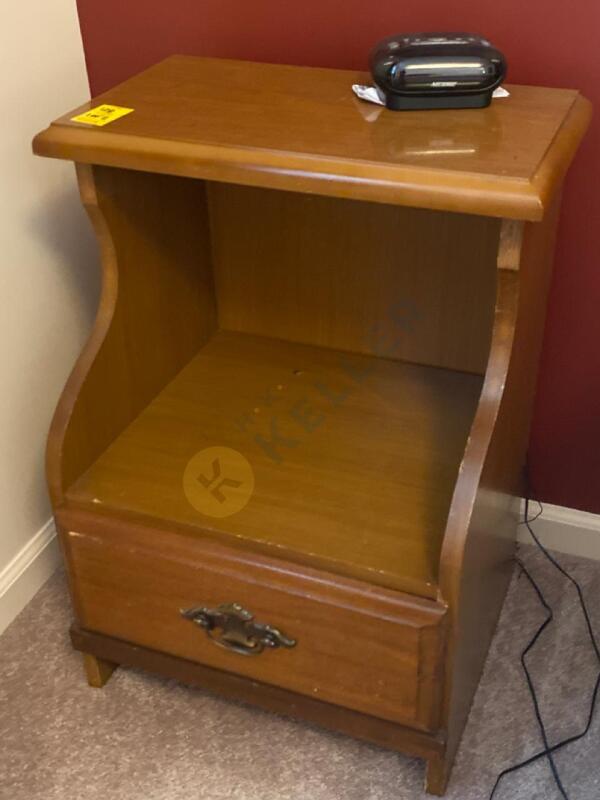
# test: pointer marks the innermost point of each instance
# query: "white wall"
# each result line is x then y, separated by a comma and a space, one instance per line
48, 274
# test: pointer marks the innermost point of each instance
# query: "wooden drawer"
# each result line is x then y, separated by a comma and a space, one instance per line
363, 647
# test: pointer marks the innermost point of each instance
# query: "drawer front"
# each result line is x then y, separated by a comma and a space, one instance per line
361, 647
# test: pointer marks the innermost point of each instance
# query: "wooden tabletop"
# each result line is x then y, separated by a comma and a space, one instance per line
302, 129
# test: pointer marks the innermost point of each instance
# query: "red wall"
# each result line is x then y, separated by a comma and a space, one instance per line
547, 42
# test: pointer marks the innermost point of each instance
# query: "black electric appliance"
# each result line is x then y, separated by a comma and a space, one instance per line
436, 70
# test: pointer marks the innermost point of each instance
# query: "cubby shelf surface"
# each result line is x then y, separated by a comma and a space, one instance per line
353, 458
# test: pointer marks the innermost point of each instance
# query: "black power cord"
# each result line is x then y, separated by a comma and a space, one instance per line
548, 752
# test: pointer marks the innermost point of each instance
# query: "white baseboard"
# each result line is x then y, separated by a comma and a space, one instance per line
27, 572
564, 529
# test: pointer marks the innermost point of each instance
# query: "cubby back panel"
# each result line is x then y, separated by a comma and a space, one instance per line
397, 282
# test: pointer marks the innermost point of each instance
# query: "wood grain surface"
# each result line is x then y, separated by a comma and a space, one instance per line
291, 704
302, 129
402, 283
477, 555
354, 458
368, 649
156, 308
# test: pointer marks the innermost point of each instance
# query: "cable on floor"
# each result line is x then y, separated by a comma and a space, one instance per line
548, 752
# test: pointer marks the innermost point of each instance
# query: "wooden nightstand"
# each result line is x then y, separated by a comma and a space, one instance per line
287, 464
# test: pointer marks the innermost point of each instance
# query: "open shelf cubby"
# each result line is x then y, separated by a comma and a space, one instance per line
343, 359
354, 457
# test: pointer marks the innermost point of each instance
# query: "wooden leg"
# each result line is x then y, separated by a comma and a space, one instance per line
437, 774
97, 670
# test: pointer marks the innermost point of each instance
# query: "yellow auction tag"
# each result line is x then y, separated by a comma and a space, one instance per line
101, 115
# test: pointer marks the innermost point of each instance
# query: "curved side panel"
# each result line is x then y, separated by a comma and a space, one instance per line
477, 555
104, 315
157, 308
479, 452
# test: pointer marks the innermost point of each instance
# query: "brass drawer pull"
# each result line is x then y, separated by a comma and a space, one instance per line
232, 627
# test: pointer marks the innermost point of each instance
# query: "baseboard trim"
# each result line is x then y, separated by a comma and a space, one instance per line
566, 530
27, 572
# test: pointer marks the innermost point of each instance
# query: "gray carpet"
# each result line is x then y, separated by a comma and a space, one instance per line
144, 738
